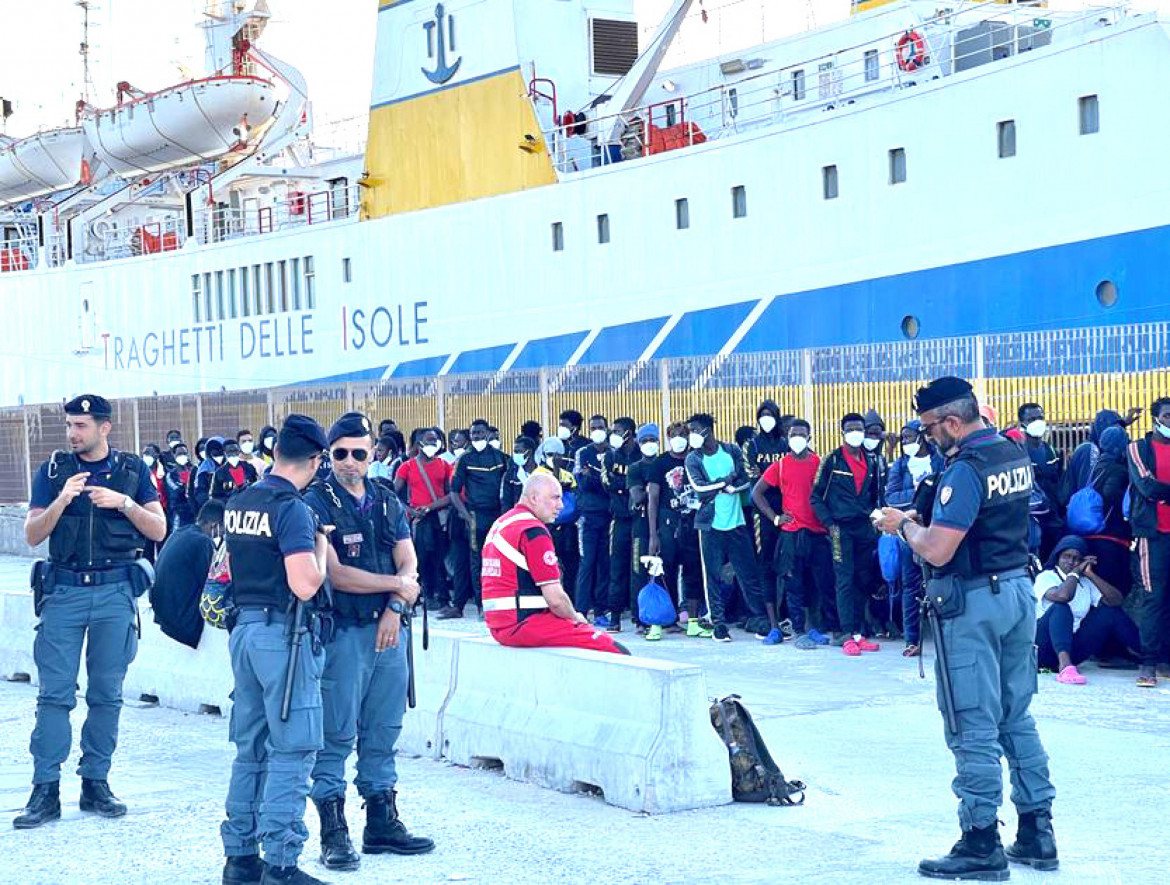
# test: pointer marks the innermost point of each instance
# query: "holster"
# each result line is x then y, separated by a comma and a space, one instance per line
39, 580
948, 595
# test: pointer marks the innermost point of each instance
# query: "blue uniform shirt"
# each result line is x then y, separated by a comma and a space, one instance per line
99, 475
296, 527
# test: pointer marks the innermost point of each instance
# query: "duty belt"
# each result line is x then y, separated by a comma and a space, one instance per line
113, 574
994, 580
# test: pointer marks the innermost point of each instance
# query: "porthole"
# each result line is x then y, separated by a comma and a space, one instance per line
1107, 293
910, 326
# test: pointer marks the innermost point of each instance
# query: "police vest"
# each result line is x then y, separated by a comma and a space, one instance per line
509, 593
364, 542
998, 541
249, 521
87, 536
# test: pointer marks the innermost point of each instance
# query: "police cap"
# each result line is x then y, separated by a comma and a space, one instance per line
939, 392
91, 404
350, 424
301, 437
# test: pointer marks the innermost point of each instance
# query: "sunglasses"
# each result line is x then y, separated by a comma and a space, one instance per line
358, 454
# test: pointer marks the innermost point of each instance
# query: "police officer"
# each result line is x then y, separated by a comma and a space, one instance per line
278, 557
984, 615
99, 509
374, 572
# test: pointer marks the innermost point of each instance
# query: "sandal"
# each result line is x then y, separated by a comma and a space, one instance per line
851, 648
1070, 675
912, 650
1147, 679
806, 643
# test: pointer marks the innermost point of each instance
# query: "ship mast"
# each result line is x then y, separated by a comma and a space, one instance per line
87, 87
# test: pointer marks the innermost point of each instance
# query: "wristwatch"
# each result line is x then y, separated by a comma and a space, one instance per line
397, 606
902, 529
128, 504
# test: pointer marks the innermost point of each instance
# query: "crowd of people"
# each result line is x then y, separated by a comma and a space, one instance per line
770, 532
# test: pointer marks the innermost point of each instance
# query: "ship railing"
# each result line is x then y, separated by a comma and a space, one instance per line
956, 40
108, 239
299, 209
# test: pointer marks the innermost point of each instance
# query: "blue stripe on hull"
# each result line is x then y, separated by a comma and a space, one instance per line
554, 351
427, 365
704, 332
624, 343
486, 359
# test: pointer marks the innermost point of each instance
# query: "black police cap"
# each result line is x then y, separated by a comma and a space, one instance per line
350, 424
939, 392
89, 404
301, 437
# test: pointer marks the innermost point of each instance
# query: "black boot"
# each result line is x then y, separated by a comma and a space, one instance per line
336, 850
1035, 843
385, 833
977, 855
43, 806
96, 796
245, 869
287, 876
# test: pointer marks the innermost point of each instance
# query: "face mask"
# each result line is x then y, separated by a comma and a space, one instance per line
182, 460
430, 450
1163, 429
518, 458
854, 438
598, 436
269, 442
218, 459
551, 461
459, 451
247, 446
798, 444
649, 449
173, 443
148, 460
767, 423
234, 461
563, 433
494, 443
678, 444
911, 449
695, 440
1036, 428
871, 444
616, 440
479, 444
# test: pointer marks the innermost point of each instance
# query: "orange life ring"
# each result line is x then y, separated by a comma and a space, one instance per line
911, 52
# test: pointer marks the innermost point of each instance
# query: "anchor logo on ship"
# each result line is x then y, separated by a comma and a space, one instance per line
442, 72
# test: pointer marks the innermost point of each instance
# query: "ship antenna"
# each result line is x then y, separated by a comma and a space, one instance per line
87, 87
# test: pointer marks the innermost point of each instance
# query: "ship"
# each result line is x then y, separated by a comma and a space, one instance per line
539, 192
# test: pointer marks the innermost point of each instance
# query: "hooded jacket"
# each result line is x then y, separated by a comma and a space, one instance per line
1084, 457
706, 488
1111, 480
1146, 490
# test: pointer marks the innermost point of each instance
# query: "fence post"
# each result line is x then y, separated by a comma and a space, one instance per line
198, 416
664, 385
349, 407
268, 398
806, 383
979, 381
440, 405
137, 429
27, 454
542, 380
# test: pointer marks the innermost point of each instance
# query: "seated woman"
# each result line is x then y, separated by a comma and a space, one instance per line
1078, 613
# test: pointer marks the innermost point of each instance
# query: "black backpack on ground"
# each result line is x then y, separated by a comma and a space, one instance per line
755, 777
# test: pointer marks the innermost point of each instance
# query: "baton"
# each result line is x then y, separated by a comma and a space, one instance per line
944, 672
296, 631
409, 662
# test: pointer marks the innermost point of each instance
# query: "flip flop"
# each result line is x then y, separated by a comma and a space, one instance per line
851, 648
912, 650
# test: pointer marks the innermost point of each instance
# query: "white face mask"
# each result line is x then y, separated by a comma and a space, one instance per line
174, 443
563, 432
871, 444
616, 440
459, 451
270, 442
678, 444
696, 440
518, 458
217, 459
234, 460
182, 460
767, 423
247, 447
649, 449
797, 444
1036, 429
598, 436
479, 444
911, 449
494, 443
148, 460
551, 461
430, 450
1163, 429
854, 438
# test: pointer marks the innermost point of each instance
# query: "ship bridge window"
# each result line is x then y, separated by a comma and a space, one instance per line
982, 44
233, 307
798, 88
282, 280
829, 182
739, 201
614, 44
196, 297
257, 299
208, 299
872, 68
682, 213
269, 288
1089, 114
310, 284
220, 307
245, 293
897, 165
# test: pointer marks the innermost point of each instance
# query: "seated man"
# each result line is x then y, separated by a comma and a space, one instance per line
524, 603
1074, 625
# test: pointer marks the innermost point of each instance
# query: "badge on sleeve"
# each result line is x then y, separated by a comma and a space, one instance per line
550, 557
945, 495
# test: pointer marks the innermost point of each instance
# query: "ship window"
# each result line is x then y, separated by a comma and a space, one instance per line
872, 70
739, 201
615, 45
1006, 137
233, 308
310, 284
829, 182
671, 114
1107, 293
603, 229
282, 279
221, 308
558, 236
245, 293
897, 165
295, 275
910, 326
346, 270
1090, 119
269, 287
257, 298
682, 213
798, 85
733, 102
196, 295
208, 299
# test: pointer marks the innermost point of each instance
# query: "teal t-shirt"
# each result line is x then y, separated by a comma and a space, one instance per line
728, 511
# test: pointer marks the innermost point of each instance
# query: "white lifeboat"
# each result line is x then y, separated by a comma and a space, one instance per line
182, 125
41, 164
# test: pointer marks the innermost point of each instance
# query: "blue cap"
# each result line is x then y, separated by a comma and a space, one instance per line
648, 430
301, 437
350, 424
89, 404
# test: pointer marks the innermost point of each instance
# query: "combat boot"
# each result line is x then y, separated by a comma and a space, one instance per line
43, 806
336, 850
977, 855
96, 796
288, 876
385, 833
244, 869
1035, 843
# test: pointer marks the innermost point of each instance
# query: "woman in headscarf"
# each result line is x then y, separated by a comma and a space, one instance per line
1110, 478
1079, 613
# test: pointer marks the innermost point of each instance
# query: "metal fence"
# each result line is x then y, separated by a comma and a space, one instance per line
1073, 373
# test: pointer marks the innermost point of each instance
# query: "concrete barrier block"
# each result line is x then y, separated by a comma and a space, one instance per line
636, 728
434, 679
198, 680
17, 630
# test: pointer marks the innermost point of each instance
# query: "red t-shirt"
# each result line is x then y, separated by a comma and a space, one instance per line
794, 478
517, 531
859, 467
238, 475
1162, 474
439, 472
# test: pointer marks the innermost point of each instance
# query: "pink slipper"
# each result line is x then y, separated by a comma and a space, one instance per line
1071, 676
865, 645
851, 648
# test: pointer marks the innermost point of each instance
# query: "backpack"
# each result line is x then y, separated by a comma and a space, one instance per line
654, 605
1086, 510
754, 776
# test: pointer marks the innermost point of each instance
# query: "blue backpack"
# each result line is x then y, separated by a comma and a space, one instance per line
1086, 511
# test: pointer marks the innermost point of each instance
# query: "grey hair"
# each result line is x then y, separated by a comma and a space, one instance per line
965, 408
